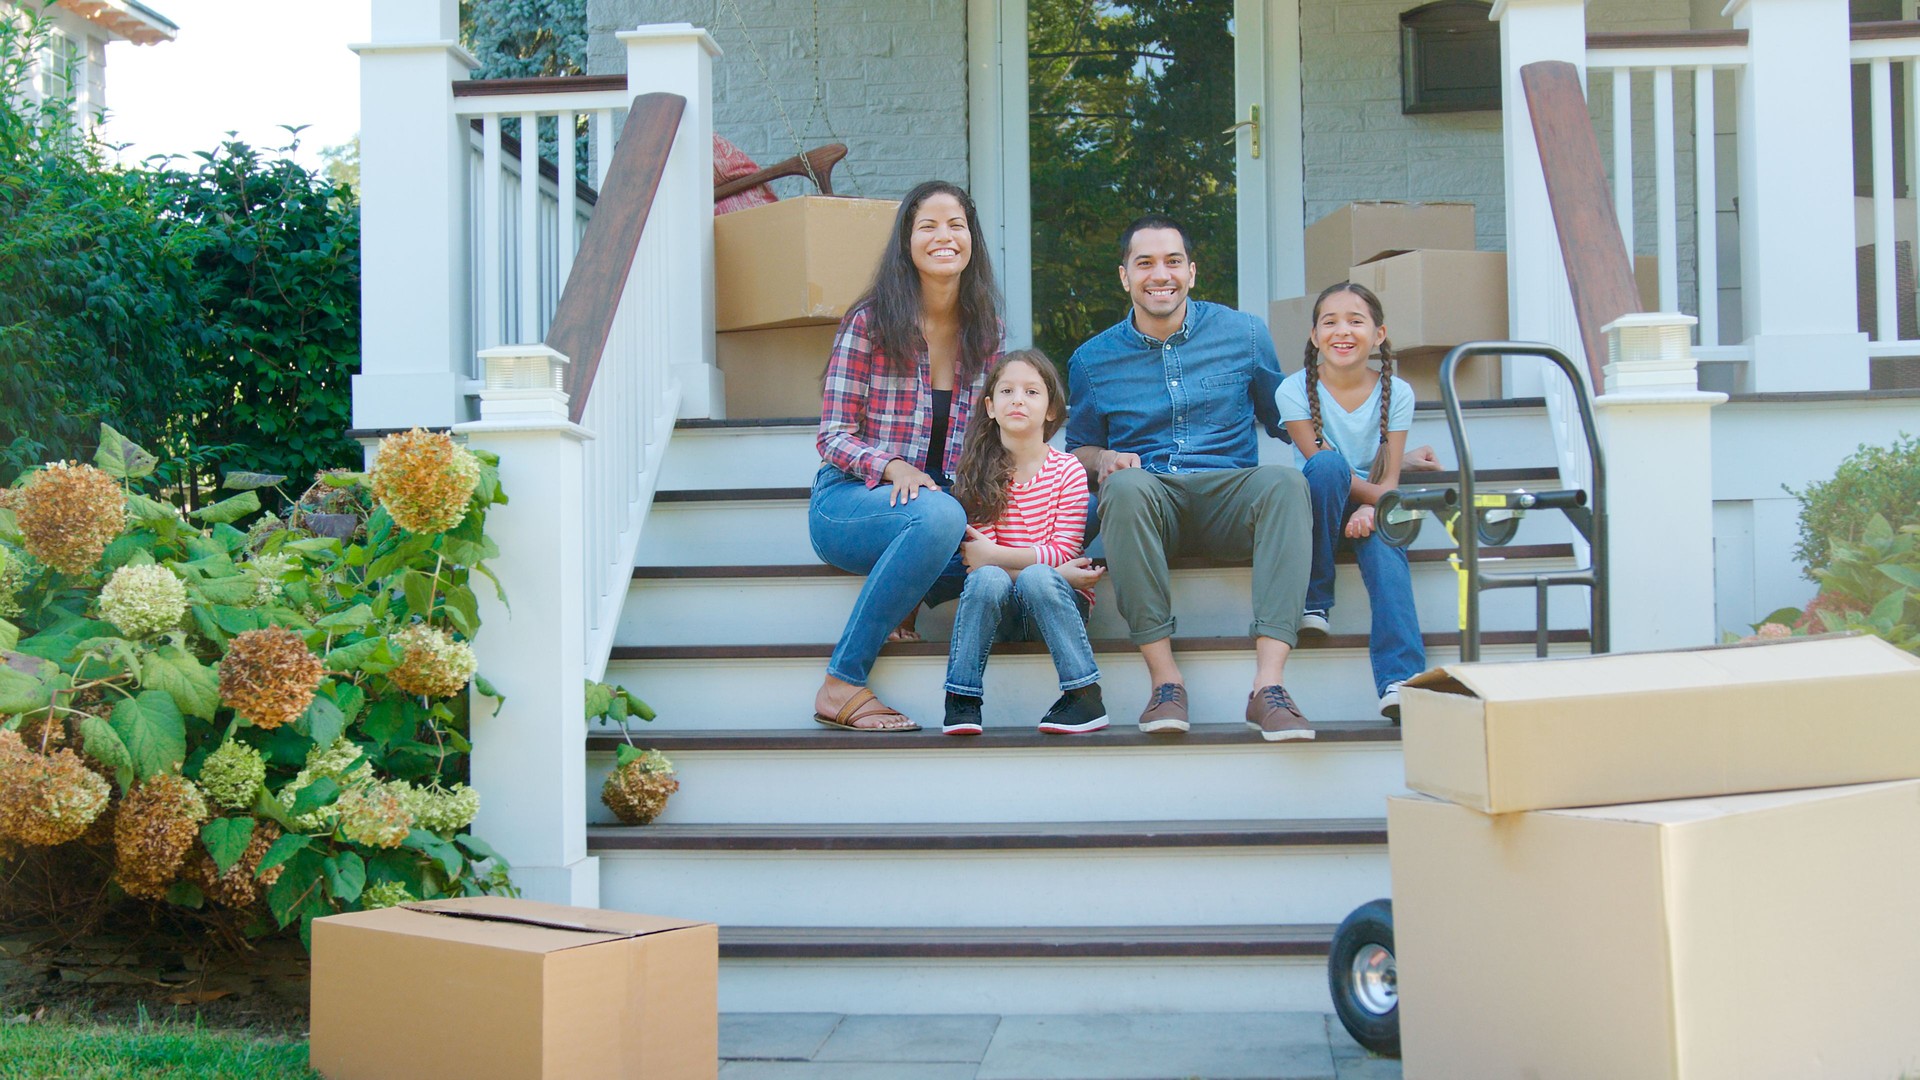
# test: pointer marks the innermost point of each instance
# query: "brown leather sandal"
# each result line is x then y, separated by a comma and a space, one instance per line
854, 711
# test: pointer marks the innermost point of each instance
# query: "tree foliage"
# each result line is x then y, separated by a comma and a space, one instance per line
1874, 481
523, 39
1127, 102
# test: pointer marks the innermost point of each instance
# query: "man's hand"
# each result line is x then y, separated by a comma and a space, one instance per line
1360, 525
1421, 459
1112, 461
906, 480
1080, 573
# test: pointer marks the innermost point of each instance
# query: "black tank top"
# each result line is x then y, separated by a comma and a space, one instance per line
937, 438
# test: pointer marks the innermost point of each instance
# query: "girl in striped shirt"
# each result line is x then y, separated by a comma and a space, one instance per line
1026, 506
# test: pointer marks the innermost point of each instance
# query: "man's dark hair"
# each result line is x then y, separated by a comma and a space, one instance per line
1154, 221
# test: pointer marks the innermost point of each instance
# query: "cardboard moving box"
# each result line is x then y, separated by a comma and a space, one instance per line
513, 990
1361, 231
774, 373
1747, 937
796, 261
1634, 727
1439, 299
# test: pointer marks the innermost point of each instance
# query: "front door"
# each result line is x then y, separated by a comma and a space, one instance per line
1188, 107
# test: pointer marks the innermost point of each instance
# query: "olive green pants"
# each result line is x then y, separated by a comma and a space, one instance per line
1263, 512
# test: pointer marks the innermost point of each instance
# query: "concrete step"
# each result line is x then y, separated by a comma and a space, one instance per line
738, 525
762, 453
1020, 874
803, 777
1159, 969
772, 686
810, 602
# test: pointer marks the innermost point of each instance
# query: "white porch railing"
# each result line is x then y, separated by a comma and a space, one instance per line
1881, 49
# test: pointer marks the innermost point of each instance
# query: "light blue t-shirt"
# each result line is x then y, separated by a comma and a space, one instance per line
1355, 434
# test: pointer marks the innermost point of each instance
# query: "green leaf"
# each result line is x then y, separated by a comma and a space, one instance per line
599, 699
1785, 616
1878, 532
154, 732
1886, 613
233, 591
151, 511
342, 480
1906, 575
438, 850
226, 840
349, 657
194, 687
321, 792
351, 619
351, 700
298, 889
103, 744
389, 719
21, 692
238, 620
229, 509
249, 481
283, 849
323, 721
119, 458
346, 876
417, 587
266, 806
479, 848
186, 894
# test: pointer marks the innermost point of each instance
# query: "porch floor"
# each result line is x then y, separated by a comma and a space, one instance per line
1166, 1046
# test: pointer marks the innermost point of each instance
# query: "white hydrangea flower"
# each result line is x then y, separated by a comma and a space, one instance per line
143, 600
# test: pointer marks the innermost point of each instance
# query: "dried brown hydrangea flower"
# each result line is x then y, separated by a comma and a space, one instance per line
46, 799
158, 822
431, 662
68, 515
424, 480
268, 676
238, 887
635, 794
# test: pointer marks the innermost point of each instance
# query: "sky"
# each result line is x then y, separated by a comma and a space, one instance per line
239, 65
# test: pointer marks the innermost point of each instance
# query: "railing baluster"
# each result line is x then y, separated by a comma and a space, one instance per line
1623, 153
1887, 326
490, 212
1666, 230
565, 232
1706, 210
529, 285
602, 146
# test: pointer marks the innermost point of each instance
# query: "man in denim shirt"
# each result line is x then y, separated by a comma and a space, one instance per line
1163, 411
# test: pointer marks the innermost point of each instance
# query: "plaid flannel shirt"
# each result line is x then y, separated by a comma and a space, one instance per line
869, 416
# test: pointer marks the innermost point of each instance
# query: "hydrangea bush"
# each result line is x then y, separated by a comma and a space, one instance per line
228, 712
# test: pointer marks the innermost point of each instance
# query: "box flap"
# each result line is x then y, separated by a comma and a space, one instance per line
509, 910
1688, 811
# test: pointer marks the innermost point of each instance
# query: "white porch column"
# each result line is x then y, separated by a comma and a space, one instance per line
1539, 301
529, 761
677, 58
1796, 222
413, 220
1656, 432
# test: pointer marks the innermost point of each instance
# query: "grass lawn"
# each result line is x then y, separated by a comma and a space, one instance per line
146, 1050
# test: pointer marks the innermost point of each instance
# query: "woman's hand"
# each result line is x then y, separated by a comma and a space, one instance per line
906, 480
1080, 573
1360, 525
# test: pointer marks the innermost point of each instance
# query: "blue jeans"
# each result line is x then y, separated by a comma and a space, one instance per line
901, 549
1394, 646
997, 606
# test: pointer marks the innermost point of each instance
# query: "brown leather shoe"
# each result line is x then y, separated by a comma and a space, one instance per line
1167, 713
1271, 712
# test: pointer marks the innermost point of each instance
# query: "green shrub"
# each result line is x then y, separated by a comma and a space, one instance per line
1871, 586
1876, 480
279, 707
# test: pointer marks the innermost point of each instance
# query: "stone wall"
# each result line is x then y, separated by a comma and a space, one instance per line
886, 77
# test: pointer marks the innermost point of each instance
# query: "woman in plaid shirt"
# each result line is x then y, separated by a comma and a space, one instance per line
900, 385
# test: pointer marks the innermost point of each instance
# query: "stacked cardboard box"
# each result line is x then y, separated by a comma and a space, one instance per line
1680, 865
784, 274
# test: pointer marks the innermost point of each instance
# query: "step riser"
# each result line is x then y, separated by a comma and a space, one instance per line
1070, 783
774, 533
1050, 986
1062, 888
1207, 603
1331, 684
761, 457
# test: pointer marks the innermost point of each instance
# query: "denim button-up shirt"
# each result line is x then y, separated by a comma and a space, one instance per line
1185, 404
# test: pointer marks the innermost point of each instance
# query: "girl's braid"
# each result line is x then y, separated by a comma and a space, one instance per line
1386, 407
1313, 388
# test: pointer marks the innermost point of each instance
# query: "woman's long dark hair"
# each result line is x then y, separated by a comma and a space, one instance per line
985, 472
894, 296
1386, 370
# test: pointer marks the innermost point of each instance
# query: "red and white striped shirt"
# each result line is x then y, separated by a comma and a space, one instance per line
1047, 513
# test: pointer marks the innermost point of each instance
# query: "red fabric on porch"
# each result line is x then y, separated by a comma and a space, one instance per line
730, 163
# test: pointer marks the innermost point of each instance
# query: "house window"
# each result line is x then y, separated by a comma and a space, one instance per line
1449, 58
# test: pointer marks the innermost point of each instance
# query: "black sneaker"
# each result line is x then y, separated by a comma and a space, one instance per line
963, 716
1077, 711
1313, 625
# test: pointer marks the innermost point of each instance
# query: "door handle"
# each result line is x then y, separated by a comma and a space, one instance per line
1253, 122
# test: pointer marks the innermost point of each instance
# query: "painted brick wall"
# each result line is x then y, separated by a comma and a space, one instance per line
889, 79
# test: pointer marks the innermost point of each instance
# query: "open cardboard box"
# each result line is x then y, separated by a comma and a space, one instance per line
796, 261
1749, 937
1635, 727
1361, 231
513, 990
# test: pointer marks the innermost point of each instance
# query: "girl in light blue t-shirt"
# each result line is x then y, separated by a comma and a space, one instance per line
1350, 423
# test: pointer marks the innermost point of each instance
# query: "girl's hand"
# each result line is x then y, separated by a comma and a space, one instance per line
976, 550
1360, 525
906, 480
1080, 573
1421, 459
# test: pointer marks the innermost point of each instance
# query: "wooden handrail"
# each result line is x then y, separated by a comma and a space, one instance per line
584, 316
558, 84
1591, 244
1883, 31
1664, 39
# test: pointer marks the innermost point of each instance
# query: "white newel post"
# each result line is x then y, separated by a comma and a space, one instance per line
1796, 221
1539, 301
413, 220
529, 760
1656, 431
677, 58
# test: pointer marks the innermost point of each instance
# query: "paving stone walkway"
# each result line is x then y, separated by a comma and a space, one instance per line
1193, 1046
